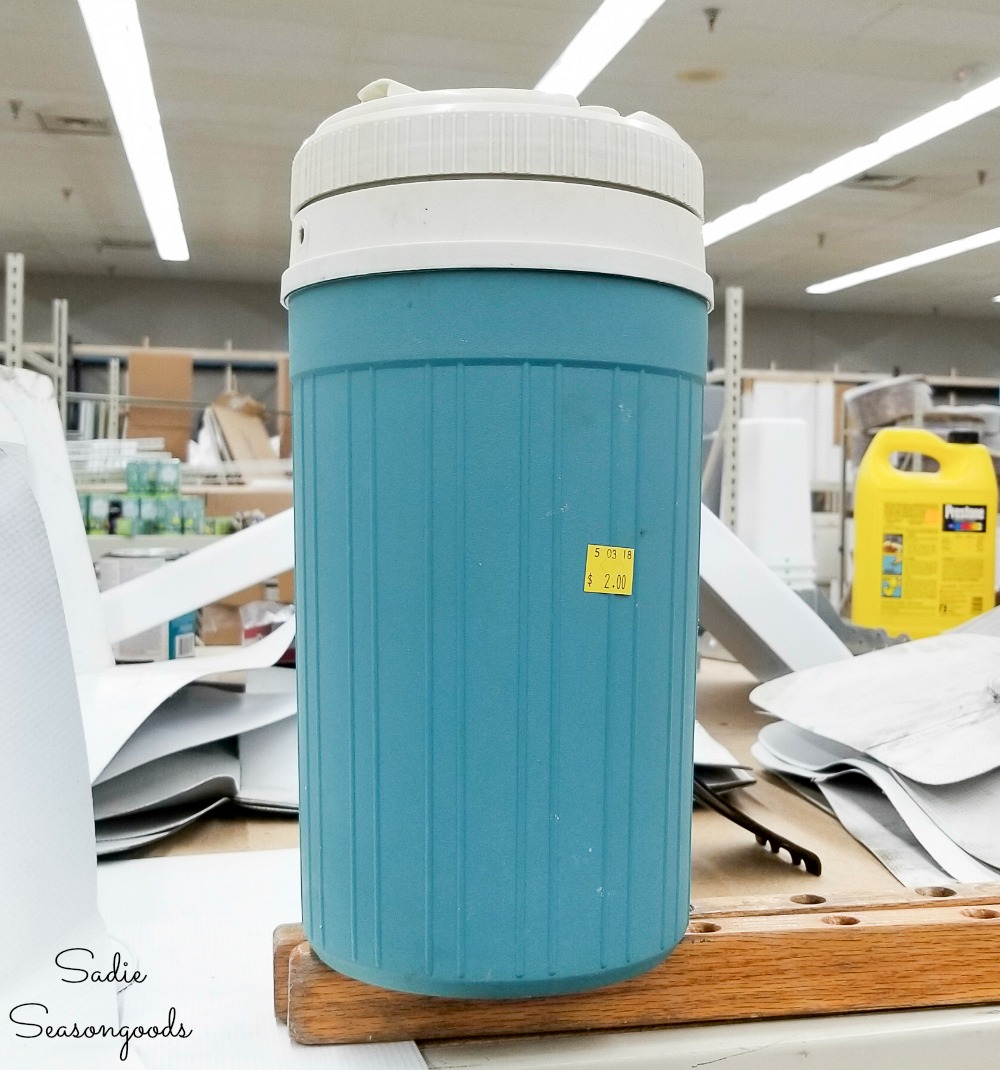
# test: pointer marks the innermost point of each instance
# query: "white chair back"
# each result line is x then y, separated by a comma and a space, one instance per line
27, 400
48, 890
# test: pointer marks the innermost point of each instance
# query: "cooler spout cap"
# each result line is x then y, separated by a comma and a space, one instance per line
383, 87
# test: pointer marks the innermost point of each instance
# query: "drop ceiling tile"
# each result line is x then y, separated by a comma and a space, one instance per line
240, 83
952, 25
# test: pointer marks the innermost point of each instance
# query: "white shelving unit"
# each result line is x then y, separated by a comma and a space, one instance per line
54, 358
737, 379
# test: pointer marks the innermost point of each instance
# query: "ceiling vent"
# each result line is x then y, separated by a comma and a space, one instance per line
73, 124
871, 180
123, 245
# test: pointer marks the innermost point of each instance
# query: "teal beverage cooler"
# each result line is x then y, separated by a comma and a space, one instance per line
497, 317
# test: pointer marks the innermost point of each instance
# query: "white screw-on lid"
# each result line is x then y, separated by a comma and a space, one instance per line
401, 133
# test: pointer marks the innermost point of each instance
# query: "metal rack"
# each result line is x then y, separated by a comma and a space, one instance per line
56, 357
733, 382
49, 358
116, 358
734, 377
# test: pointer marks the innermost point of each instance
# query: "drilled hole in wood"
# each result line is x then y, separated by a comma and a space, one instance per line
806, 900
840, 919
980, 912
936, 892
703, 927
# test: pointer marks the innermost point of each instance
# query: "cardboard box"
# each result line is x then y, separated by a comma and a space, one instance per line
240, 420
220, 625
259, 592
269, 499
166, 376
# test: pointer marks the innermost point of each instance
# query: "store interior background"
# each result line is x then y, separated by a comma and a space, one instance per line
771, 91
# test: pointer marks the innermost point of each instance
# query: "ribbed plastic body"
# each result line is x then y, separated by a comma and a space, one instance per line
924, 542
495, 765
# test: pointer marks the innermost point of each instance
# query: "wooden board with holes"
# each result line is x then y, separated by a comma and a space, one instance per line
764, 957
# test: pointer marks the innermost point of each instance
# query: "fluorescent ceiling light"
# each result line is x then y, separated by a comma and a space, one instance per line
604, 35
116, 37
905, 263
996, 300
917, 131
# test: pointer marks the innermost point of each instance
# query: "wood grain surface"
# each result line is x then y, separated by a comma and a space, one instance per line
759, 958
286, 939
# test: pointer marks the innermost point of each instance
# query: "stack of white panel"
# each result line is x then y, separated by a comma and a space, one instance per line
903, 745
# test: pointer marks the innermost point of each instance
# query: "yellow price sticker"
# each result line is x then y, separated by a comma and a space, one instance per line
609, 570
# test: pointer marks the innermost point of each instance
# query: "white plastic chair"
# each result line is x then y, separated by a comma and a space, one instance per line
759, 619
48, 894
116, 699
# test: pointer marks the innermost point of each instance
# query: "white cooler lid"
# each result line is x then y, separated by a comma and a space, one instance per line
399, 133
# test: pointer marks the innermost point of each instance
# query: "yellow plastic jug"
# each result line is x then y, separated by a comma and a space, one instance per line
924, 544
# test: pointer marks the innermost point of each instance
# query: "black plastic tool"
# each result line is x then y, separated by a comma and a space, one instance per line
799, 855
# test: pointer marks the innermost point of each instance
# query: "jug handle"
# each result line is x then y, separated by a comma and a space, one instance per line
892, 440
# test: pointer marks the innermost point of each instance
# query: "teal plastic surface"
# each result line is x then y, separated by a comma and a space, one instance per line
495, 765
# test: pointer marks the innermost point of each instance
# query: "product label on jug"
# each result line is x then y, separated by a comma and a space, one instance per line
609, 569
935, 563
964, 518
